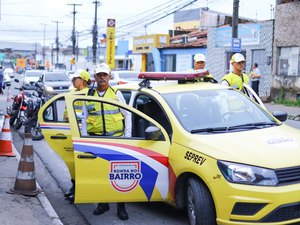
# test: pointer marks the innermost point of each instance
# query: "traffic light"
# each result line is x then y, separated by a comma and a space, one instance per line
72, 61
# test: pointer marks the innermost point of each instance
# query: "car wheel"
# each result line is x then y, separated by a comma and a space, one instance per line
200, 206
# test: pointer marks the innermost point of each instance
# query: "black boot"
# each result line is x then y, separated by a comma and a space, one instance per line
70, 195
121, 211
101, 208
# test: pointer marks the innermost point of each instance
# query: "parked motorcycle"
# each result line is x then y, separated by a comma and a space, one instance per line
16, 110
30, 118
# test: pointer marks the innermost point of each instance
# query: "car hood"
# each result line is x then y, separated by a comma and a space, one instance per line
273, 147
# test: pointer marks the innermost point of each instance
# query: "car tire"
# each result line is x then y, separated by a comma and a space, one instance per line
200, 205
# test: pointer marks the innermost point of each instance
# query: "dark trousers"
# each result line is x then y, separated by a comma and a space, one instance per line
255, 85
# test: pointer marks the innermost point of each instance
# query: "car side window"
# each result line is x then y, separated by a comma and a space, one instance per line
55, 111
152, 108
103, 120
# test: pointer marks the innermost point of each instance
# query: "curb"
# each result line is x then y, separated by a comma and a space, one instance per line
43, 198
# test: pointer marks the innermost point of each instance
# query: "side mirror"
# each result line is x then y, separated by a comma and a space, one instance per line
153, 133
281, 116
36, 84
17, 80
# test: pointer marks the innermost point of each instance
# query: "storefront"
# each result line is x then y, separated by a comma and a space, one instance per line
147, 47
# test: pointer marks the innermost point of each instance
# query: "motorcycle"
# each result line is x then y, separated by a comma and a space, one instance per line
16, 110
30, 118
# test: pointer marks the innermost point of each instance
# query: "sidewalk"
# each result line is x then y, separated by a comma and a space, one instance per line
19, 209
293, 112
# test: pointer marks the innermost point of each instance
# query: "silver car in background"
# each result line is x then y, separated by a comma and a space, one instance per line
123, 77
55, 82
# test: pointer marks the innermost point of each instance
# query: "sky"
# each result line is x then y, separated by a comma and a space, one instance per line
24, 21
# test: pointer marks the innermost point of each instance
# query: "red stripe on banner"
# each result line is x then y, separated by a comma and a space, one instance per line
154, 155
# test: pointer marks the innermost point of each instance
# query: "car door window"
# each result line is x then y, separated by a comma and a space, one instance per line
151, 108
55, 111
102, 120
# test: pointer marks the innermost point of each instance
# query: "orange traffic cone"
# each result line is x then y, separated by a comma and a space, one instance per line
25, 180
5, 139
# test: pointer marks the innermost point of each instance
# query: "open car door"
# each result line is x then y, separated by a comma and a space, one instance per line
56, 130
120, 169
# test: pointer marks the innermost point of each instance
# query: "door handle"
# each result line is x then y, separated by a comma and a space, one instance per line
86, 157
58, 137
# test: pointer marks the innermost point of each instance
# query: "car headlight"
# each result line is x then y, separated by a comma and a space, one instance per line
246, 174
49, 88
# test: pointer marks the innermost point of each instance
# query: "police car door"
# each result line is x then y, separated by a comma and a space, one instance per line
120, 169
56, 130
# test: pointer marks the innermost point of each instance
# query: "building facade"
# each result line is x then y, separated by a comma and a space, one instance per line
286, 54
257, 39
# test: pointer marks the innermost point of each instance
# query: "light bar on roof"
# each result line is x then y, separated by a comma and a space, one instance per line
194, 75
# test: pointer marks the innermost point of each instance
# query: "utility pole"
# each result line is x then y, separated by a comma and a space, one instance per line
44, 45
95, 33
52, 60
235, 18
77, 45
73, 31
57, 41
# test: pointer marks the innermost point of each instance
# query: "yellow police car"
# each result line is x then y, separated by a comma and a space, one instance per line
197, 145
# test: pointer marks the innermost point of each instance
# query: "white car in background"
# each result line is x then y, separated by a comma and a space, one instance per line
30, 77
6, 80
9, 72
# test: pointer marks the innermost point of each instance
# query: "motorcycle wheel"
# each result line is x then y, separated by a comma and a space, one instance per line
36, 132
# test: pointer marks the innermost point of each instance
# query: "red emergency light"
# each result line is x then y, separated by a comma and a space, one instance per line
194, 75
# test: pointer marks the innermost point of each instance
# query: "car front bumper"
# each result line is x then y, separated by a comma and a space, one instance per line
247, 204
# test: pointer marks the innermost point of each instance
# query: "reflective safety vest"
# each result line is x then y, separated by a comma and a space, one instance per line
78, 105
236, 81
105, 119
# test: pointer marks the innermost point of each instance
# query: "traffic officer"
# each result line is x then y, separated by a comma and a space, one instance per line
199, 63
95, 121
237, 78
80, 81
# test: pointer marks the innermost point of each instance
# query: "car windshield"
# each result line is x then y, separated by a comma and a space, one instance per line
33, 74
56, 77
215, 111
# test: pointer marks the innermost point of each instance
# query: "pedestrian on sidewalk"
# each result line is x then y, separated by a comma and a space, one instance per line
255, 77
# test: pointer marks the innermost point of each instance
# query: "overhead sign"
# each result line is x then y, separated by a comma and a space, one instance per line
21, 62
236, 45
110, 43
145, 43
249, 33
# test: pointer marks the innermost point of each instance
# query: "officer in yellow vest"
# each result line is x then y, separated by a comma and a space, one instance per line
199, 63
106, 120
237, 78
81, 81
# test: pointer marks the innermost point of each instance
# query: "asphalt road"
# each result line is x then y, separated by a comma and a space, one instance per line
53, 176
